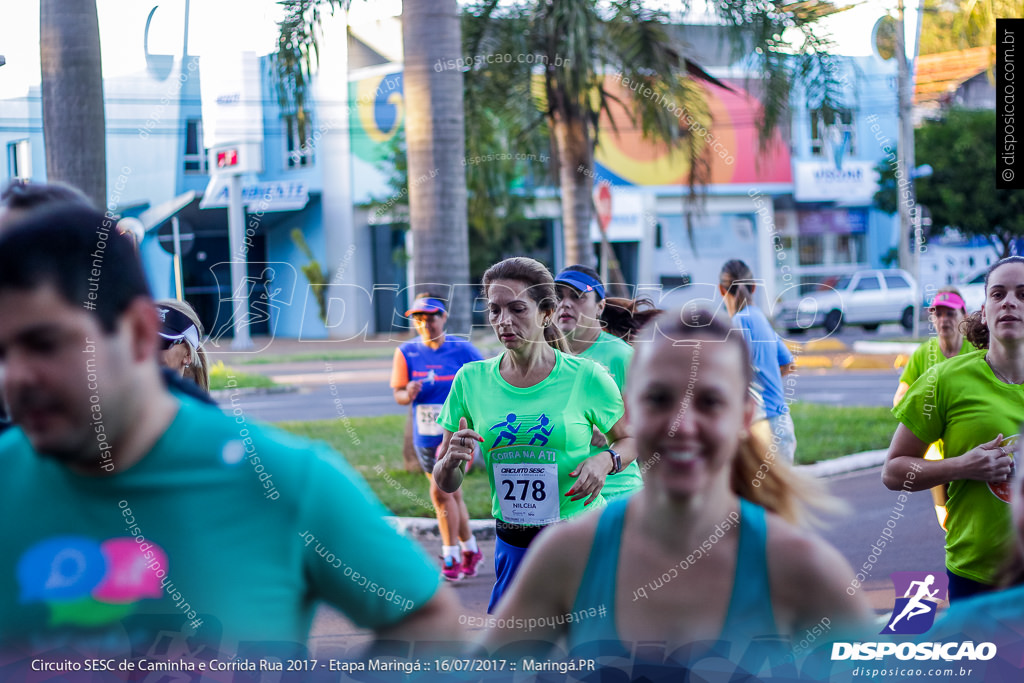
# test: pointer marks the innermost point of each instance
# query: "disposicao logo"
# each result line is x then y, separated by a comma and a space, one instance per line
914, 613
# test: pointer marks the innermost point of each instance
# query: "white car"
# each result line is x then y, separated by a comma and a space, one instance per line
973, 291
867, 298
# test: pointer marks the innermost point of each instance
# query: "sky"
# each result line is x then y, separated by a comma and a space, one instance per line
243, 25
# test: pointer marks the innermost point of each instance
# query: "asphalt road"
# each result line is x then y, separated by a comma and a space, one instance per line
363, 390
917, 545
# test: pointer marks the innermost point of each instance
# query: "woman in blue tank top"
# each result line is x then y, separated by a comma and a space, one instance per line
708, 550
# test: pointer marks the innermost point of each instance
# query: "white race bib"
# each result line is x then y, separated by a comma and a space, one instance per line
527, 492
426, 419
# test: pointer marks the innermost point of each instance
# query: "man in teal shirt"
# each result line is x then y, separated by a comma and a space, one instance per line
133, 514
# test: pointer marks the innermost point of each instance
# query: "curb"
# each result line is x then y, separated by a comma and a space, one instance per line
222, 394
483, 529
885, 348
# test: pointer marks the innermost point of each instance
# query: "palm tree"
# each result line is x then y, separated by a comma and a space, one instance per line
74, 128
435, 131
582, 42
435, 138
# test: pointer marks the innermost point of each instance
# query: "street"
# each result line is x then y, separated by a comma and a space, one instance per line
361, 389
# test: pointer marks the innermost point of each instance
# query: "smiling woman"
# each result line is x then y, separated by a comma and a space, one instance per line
746, 570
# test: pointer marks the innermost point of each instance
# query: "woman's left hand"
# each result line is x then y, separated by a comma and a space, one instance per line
591, 474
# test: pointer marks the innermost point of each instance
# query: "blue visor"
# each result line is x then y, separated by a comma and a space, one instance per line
427, 305
581, 282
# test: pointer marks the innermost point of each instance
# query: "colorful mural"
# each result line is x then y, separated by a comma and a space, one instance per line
377, 113
623, 157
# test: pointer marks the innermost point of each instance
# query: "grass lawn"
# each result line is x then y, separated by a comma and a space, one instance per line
221, 374
826, 432
369, 443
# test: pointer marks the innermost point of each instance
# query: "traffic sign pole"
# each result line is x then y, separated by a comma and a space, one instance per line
239, 264
178, 287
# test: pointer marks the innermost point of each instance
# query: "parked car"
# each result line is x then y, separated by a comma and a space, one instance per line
867, 298
973, 291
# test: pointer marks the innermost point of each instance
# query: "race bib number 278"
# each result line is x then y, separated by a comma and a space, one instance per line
527, 493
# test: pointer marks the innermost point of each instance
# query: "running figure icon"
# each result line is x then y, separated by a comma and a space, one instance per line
541, 434
916, 605
509, 430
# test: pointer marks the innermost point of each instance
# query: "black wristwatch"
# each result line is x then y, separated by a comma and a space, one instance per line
616, 462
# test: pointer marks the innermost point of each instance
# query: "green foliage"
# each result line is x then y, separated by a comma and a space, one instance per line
827, 432
293, 64
221, 374
316, 275
961, 192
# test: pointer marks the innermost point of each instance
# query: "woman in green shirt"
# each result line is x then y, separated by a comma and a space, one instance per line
533, 409
591, 334
947, 312
971, 402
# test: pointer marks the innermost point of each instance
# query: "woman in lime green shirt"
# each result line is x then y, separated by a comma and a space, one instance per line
533, 409
580, 317
947, 312
975, 404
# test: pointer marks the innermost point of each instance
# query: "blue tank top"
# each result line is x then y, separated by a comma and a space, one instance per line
750, 608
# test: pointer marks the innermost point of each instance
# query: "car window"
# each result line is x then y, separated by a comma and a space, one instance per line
842, 283
869, 282
978, 279
896, 282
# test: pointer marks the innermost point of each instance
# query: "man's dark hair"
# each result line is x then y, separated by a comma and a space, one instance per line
20, 194
79, 251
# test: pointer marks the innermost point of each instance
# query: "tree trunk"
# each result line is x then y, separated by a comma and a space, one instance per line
436, 143
576, 177
74, 130
409, 459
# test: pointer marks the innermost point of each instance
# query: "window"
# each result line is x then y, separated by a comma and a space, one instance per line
896, 282
19, 160
869, 282
849, 248
298, 150
829, 136
195, 155
812, 250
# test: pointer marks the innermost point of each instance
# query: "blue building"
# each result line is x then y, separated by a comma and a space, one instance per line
798, 214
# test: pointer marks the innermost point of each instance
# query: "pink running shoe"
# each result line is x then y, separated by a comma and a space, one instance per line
469, 562
451, 569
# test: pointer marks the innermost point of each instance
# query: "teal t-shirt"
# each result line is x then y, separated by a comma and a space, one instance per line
961, 402
614, 355
534, 437
233, 527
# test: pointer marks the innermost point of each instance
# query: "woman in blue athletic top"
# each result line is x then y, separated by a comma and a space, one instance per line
695, 555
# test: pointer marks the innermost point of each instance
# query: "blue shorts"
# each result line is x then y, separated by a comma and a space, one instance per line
507, 559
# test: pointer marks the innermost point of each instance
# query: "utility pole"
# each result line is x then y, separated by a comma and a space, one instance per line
905, 196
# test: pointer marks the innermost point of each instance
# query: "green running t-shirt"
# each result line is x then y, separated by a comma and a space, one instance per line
614, 355
961, 402
534, 437
927, 356
226, 526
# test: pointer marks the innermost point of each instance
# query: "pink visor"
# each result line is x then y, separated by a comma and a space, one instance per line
949, 300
